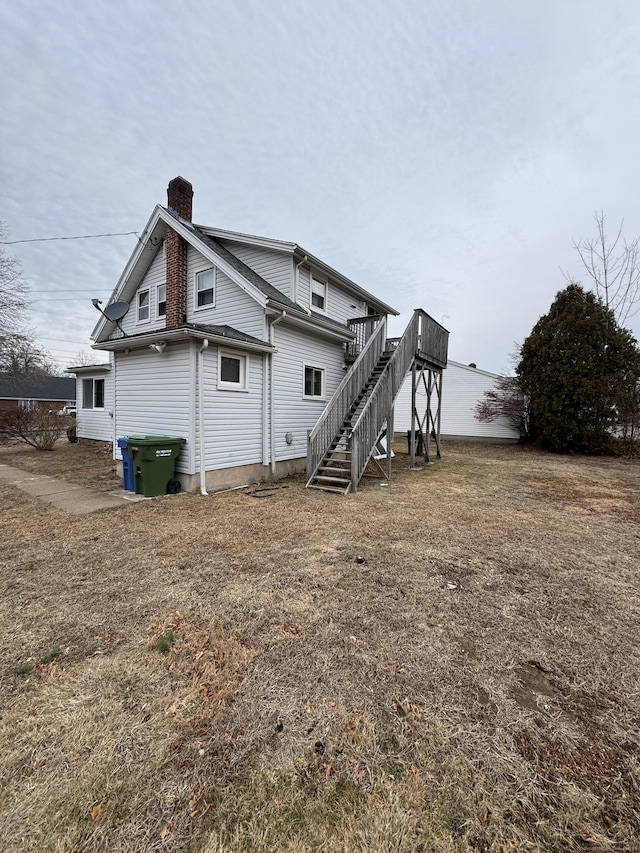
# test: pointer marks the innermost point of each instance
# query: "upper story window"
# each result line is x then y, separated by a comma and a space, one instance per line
143, 306
205, 287
232, 371
318, 294
313, 381
93, 393
161, 300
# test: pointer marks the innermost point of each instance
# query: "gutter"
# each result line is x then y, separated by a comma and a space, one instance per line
295, 280
180, 335
272, 438
203, 477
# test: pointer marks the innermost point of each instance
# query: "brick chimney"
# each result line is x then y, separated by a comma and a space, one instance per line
179, 200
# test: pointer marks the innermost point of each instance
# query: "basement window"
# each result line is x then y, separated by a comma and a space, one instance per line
318, 294
205, 286
143, 306
313, 382
93, 393
161, 300
232, 371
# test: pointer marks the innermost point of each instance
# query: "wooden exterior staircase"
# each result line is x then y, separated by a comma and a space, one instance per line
360, 412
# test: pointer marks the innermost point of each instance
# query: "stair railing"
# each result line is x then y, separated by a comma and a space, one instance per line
366, 431
330, 421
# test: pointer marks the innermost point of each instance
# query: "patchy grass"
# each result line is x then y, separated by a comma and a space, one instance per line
86, 465
445, 664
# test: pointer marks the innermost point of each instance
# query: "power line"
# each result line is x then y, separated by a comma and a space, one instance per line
79, 237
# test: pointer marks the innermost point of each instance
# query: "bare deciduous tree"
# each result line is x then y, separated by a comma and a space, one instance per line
509, 400
13, 289
20, 357
613, 265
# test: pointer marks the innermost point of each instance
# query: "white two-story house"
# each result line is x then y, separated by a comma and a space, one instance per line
233, 342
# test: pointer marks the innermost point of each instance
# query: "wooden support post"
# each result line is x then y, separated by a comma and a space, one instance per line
389, 441
439, 418
427, 437
413, 414
354, 463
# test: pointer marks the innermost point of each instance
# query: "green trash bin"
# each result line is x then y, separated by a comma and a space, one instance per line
154, 463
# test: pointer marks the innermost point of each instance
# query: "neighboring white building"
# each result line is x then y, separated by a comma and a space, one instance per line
95, 402
233, 342
464, 387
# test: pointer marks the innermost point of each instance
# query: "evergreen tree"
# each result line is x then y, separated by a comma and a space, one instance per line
578, 366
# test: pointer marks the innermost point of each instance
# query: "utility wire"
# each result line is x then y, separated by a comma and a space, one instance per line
80, 237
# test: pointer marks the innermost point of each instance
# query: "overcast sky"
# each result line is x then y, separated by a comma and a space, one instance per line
441, 154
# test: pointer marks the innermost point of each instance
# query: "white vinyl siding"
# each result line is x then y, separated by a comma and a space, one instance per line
463, 387
93, 423
233, 422
153, 395
156, 275
274, 267
340, 305
292, 411
233, 306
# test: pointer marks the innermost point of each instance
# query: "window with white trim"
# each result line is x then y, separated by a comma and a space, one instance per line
318, 294
205, 288
232, 371
313, 382
93, 393
143, 306
161, 300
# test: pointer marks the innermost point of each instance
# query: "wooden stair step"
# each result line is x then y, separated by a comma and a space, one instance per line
335, 480
327, 489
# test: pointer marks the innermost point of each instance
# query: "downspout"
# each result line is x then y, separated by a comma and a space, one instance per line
203, 478
295, 279
272, 438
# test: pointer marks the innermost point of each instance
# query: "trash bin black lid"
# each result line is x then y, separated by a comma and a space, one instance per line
146, 440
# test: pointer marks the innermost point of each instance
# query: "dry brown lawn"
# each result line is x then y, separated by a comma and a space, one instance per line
447, 663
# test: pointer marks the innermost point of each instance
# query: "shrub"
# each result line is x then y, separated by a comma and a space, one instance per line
38, 427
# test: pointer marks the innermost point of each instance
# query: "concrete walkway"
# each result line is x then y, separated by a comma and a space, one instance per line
64, 495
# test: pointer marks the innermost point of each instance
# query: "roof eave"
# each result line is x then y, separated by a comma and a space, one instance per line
179, 335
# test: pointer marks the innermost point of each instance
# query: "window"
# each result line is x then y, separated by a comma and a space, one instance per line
313, 381
143, 306
205, 282
318, 294
232, 371
93, 393
161, 300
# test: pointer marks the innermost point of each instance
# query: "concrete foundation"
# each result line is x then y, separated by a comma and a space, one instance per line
241, 475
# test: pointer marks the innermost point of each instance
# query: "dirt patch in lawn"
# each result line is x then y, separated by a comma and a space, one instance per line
445, 663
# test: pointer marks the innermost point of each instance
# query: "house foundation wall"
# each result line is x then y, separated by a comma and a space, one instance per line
240, 475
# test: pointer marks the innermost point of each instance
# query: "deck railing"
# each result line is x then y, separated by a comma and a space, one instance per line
332, 418
433, 340
363, 328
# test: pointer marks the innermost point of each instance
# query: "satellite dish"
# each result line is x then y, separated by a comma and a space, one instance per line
116, 311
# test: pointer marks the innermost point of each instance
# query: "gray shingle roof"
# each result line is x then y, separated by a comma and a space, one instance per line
57, 388
262, 284
223, 332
